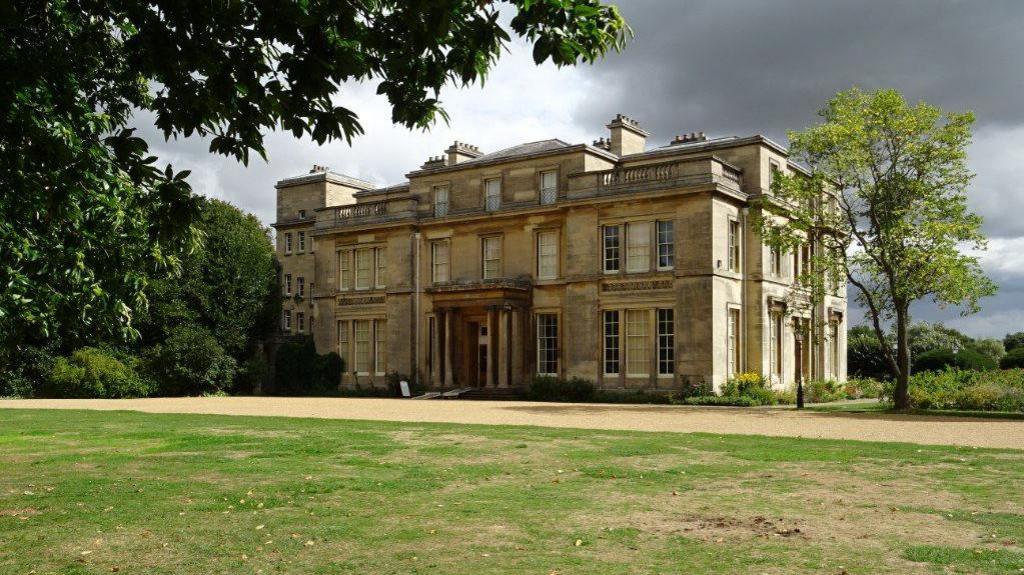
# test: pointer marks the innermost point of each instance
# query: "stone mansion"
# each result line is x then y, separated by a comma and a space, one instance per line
628, 265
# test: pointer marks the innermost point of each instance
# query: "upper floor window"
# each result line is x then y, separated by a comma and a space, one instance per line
734, 245
300, 286
491, 252
286, 322
612, 241
775, 261
547, 255
492, 194
774, 169
439, 261
364, 268
380, 275
441, 200
302, 241
666, 245
288, 243
345, 270
548, 187
287, 284
300, 321
638, 246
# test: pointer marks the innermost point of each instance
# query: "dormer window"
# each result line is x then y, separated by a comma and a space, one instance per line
548, 187
492, 194
441, 200
302, 214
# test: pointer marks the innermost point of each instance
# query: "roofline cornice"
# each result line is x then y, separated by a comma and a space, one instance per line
331, 177
510, 159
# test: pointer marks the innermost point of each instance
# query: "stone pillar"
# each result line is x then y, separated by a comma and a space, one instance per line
492, 325
434, 344
517, 346
505, 361
448, 344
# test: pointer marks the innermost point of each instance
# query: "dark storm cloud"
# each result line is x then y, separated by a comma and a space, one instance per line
744, 66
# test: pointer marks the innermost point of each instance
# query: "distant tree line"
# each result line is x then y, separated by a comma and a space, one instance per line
933, 347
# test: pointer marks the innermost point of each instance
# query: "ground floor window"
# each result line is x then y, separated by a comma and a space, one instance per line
733, 345
344, 328
775, 345
286, 321
362, 347
611, 342
666, 342
638, 358
300, 320
380, 347
547, 344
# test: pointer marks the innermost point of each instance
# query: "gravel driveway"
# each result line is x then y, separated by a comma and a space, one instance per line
975, 432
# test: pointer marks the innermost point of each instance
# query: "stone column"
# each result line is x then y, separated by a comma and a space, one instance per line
448, 344
505, 361
517, 346
492, 325
434, 344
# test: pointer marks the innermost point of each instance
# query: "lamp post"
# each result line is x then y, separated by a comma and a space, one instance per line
798, 338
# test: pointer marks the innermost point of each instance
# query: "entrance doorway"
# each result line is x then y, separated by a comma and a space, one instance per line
481, 355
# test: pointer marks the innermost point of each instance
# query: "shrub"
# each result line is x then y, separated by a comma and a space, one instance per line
300, 370
864, 355
26, 373
92, 373
940, 359
968, 390
722, 400
547, 388
1014, 359
251, 375
823, 391
189, 362
859, 388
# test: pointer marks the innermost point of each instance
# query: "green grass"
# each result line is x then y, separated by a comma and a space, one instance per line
95, 492
870, 407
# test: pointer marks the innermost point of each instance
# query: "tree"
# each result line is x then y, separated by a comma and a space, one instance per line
1013, 341
882, 202
87, 216
864, 355
227, 286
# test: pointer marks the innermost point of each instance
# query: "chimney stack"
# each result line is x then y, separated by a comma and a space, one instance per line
461, 151
434, 162
318, 168
688, 138
627, 137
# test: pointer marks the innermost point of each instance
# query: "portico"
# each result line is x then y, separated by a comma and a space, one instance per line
477, 333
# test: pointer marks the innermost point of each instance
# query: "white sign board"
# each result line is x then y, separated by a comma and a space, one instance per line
405, 388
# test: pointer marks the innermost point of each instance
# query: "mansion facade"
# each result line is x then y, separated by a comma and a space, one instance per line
630, 266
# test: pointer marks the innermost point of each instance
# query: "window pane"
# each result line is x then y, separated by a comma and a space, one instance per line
548, 187
611, 342
638, 247
362, 337
492, 193
666, 245
638, 359
381, 268
734, 342
611, 248
364, 263
345, 269
666, 342
440, 200
734, 245
440, 257
300, 286
547, 344
343, 332
547, 255
492, 257
302, 241
380, 346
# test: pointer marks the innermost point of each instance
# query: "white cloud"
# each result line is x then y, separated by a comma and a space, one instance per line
520, 102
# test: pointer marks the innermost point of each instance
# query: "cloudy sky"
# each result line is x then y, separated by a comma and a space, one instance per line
725, 67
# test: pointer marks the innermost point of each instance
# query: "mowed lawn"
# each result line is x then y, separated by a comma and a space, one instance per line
102, 492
